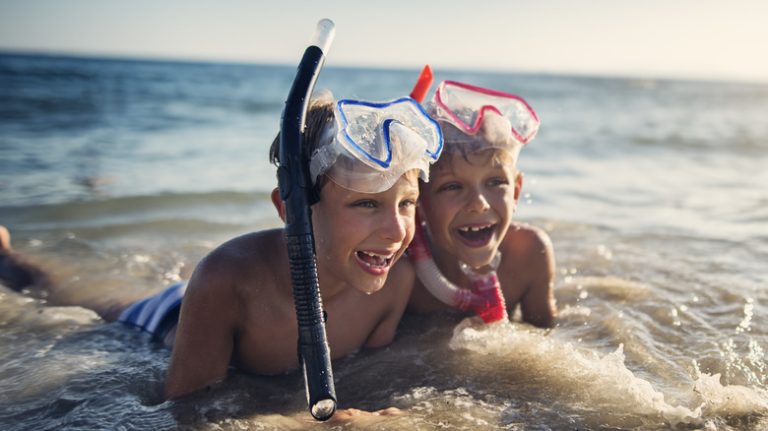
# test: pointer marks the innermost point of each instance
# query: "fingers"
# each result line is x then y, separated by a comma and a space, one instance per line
357, 415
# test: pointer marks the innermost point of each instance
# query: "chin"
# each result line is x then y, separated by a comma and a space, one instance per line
371, 285
479, 259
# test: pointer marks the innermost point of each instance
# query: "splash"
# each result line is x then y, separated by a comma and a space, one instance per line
602, 382
730, 399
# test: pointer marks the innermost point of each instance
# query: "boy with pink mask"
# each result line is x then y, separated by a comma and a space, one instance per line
470, 255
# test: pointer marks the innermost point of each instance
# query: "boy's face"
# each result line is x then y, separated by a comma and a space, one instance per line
359, 236
468, 205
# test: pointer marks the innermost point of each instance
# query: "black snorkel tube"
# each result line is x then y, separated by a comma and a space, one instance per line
295, 190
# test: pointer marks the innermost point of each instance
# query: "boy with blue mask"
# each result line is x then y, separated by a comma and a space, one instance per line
472, 256
361, 229
238, 309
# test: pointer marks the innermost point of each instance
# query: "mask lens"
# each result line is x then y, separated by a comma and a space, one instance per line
362, 126
524, 122
463, 104
365, 128
468, 105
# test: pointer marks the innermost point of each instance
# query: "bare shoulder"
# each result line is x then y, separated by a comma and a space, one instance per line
240, 261
528, 260
243, 249
215, 310
527, 243
528, 273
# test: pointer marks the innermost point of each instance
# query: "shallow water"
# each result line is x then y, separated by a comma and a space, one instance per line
118, 176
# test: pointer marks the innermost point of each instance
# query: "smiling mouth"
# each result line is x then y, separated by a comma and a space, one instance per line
375, 261
476, 236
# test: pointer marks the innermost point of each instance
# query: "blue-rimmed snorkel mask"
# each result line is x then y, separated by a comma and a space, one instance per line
371, 145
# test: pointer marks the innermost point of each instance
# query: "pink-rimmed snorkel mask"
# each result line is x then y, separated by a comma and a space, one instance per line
465, 106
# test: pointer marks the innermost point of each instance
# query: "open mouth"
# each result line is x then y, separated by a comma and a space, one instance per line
476, 236
375, 263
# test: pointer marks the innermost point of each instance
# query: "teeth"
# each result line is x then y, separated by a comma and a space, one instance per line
474, 229
382, 256
374, 259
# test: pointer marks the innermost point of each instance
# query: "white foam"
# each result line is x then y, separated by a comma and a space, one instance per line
601, 381
730, 399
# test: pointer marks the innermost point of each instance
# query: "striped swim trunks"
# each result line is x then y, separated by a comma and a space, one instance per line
157, 314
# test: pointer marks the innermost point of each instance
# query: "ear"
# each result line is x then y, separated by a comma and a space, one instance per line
278, 203
518, 185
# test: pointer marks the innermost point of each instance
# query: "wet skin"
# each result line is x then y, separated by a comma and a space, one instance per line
239, 306
468, 207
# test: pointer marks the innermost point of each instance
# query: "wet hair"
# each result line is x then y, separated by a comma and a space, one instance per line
489, 140
319, 117
495, 156
451, 149
498, 155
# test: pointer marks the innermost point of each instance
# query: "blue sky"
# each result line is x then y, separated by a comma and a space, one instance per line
652, 38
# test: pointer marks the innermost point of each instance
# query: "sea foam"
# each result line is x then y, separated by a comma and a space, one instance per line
603, 381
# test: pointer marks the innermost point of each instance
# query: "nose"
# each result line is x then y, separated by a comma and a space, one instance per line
394, 226
476, 202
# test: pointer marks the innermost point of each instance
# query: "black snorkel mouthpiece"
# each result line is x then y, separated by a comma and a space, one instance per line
295, 190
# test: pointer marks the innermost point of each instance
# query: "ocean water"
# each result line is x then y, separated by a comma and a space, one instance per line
117, 176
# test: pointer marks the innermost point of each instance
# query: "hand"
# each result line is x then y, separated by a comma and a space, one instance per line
345, 416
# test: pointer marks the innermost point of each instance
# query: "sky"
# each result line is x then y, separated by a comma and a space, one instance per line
699, 39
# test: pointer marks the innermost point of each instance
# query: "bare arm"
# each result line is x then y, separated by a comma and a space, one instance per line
206, 332
538, 302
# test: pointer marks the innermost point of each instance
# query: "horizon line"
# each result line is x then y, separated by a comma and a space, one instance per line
586, 74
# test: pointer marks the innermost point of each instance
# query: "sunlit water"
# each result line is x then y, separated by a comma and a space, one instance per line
118, 176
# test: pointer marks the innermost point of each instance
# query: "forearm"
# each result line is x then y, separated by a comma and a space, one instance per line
180, 382
539, 308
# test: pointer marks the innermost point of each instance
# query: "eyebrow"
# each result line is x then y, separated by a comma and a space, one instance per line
441, 173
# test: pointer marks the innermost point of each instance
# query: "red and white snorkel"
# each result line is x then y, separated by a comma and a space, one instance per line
484, 297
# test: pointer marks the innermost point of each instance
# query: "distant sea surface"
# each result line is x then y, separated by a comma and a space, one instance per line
118, 174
